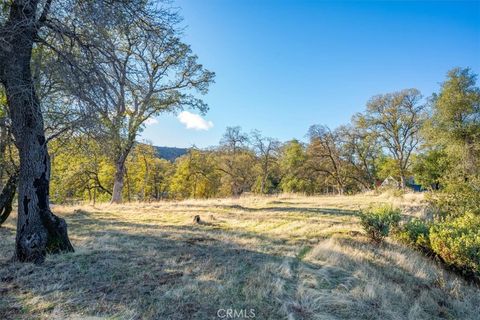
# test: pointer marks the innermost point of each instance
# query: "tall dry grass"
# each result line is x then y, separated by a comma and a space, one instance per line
285, 257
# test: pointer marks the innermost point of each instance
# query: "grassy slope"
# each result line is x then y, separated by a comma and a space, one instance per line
286, 257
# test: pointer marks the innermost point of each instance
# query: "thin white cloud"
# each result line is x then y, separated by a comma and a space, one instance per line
151, 121
194, 121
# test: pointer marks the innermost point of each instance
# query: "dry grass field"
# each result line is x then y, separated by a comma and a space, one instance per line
285, 257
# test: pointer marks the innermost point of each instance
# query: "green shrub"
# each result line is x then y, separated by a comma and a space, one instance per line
456, 197
378, 221
416, 233
457, 242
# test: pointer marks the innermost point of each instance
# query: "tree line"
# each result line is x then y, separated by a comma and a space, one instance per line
399, 135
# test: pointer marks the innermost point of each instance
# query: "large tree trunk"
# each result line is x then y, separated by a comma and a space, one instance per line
119, 180
39, 231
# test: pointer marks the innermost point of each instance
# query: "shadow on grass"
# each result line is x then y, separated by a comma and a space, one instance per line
328, 211
185, 272
5, 232
144, 276
83, 222
7, 240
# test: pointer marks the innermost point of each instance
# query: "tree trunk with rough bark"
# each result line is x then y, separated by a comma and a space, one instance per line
119, 180
7, 196
39, 231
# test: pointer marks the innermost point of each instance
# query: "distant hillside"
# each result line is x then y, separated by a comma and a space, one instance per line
170, 153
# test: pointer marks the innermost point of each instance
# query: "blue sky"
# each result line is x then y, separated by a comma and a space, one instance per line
282, 66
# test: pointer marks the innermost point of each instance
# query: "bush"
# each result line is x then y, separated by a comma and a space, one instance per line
378, 221
457, 242
457, 197
416, 233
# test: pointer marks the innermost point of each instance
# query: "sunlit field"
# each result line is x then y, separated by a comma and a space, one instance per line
285, 257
